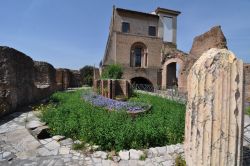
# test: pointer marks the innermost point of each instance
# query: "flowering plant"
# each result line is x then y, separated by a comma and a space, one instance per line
110, 104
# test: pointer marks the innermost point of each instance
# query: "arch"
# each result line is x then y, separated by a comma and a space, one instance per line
142, 83
138, 55
172, 73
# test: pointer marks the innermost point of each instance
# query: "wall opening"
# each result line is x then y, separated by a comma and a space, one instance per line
142, 83
172, 75
138, 57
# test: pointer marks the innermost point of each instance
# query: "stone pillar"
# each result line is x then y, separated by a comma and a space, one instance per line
113, 89
109, 89
214, 115
125, 88
102, 88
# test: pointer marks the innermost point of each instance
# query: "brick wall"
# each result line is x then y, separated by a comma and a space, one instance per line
112, 88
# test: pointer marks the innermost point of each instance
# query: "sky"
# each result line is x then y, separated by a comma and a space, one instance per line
74, 33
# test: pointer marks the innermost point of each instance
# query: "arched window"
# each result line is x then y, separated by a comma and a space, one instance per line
138, 57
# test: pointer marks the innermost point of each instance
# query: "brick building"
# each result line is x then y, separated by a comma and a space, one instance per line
141, 43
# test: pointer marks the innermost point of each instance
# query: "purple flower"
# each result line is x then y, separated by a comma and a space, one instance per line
100, 101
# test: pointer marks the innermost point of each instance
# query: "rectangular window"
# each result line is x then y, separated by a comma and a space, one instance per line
138, 57
125, 27
152, 31
168, 29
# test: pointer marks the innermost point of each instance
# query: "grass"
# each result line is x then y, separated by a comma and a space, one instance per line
247, 110
69, 115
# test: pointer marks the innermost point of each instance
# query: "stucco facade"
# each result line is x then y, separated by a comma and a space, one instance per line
136, 41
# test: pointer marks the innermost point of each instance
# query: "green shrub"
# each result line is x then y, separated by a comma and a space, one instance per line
87, 73
179, 161
113, 71
72, 117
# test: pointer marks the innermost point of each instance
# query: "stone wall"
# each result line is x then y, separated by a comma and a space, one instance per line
16, 79
44, 73
214, 38
113, 88
63, 79
75, 78
24, 81
66, 78
44, 80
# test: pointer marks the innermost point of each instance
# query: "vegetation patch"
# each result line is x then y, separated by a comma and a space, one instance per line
110, 104
69, 115
113, 71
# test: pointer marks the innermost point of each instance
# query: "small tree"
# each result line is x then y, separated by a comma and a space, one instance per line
87, 74
113, 71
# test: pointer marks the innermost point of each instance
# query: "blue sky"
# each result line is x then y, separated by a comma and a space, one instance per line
73, 33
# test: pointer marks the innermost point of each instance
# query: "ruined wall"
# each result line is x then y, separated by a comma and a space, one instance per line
63, 78
44, 80
44, 73
172, 55
112, 88
66, 78
24, 81
75, 78
214, 38
16, 79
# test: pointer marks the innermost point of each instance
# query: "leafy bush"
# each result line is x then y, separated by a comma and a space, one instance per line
113, 71
87, 74
73, 117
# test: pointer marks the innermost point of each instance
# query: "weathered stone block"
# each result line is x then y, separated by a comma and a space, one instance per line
214, 116
214, 38
75, 78
44, 80
16, 79
63, 78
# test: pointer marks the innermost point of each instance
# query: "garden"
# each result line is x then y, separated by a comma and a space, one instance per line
93, 119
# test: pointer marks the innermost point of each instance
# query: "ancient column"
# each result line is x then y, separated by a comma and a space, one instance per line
214, 115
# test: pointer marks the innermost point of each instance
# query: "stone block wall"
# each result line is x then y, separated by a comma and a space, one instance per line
59, 79
75, 78
44, 80
112, 88
63, 78
16, 79
44, 73
66, 78
24, 81
214, 38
